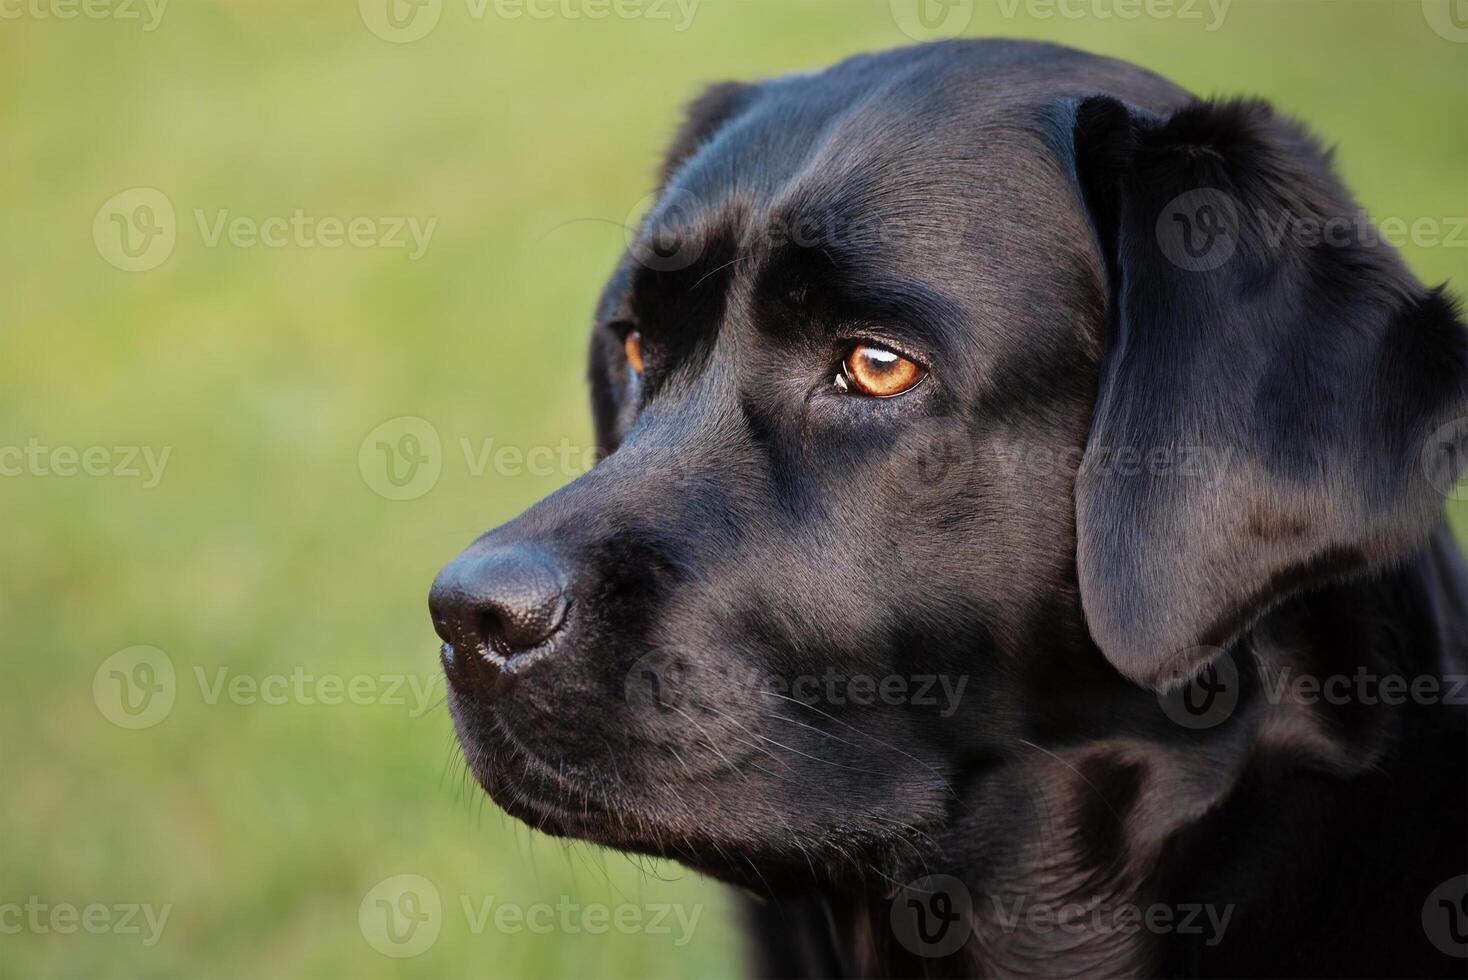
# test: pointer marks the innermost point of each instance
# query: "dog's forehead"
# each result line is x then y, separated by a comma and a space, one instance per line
912, 168
934, 165
934, 101
906, 131
904, 184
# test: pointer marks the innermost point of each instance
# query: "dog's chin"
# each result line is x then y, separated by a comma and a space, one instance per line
548, 801
559, 802
524, 788
555, 803
720, 829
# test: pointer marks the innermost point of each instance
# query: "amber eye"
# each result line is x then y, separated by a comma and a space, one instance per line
633, 346
878, 372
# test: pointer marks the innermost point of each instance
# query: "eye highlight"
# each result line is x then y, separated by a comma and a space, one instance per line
632, 345
878, 372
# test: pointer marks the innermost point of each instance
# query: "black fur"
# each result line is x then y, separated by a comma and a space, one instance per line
999, 212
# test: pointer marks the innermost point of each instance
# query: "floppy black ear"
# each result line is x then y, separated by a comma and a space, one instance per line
1272, 377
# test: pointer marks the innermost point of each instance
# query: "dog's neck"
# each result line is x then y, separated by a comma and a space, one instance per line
1071, 855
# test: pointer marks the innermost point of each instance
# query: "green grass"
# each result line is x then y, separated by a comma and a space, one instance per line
263, 550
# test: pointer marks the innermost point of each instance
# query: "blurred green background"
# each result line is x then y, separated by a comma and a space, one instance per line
273, 547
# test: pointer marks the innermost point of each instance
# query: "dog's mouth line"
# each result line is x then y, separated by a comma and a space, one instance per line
565, 779
517, 774
538, 792
549, 797
548, 803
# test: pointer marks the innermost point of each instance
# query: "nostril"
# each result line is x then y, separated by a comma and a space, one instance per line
499, 603
491, 629
527, 621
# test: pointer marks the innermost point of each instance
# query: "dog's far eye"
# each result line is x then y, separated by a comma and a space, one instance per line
633, 346
878, 372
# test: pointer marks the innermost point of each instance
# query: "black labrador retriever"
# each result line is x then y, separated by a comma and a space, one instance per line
1019, 548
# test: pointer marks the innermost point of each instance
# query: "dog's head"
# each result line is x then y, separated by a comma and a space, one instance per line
952, 399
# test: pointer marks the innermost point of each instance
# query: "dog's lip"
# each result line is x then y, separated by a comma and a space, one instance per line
527, 789
548, 797
562, 810
519, 769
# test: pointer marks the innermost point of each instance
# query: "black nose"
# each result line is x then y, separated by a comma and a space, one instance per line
498, 603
